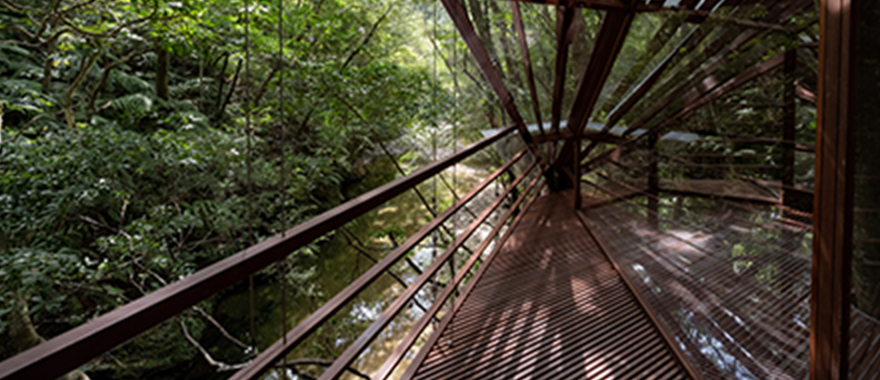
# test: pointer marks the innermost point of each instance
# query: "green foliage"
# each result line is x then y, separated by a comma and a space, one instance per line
110, 191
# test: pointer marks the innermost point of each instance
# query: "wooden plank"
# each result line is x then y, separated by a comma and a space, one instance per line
404, 345
833, 201
420, 357
668, 338
527, 62
490, 72
71, 349
546, 305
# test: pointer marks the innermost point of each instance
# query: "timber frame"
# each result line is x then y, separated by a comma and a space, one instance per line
678, 96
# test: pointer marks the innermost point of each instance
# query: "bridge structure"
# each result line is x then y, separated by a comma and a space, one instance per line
596, 265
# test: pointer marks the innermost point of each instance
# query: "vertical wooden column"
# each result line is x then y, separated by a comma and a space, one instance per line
832, 242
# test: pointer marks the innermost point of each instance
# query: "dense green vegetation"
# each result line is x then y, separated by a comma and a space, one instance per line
140, 140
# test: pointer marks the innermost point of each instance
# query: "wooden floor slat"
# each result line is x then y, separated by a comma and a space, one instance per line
550, 306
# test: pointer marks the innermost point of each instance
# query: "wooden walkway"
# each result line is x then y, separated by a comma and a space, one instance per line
729, 283
550, 306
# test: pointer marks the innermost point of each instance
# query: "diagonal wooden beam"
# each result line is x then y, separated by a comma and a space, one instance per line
614, 30
608, 44
641, 90
481, 56
527, 62
721, 53
694, 99
564, 15
704, 79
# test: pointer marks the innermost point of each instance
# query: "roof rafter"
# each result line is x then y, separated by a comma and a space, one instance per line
608, 44
564, 16
695, 99
641, 90
722, 57
481, 56
527, 62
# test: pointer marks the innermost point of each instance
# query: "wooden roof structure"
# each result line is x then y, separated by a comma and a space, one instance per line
590, 272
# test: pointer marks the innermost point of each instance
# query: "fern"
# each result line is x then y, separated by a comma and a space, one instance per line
134, 105
123, 82
189, 88
16, 62
182, 105
23, 95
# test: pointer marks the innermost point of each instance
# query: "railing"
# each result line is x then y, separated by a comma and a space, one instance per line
81, 344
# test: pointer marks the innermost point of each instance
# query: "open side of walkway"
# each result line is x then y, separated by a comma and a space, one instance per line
549, 305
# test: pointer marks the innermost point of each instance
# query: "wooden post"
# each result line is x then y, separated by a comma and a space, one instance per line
832, 218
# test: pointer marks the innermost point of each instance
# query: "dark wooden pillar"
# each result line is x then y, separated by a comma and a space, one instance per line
832, 243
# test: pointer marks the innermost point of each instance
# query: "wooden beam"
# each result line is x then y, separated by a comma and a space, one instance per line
833, 200
703, 76
611, 37
527, 62
695, 99
608, 44
641, 90
481, 56
564, 15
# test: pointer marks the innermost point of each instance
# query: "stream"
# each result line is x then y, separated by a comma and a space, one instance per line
322, 269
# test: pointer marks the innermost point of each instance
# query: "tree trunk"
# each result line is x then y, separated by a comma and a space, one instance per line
47, 67
25, 336
480, 15
162, 63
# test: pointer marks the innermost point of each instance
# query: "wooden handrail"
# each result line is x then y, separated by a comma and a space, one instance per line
355, 349
410, 339
447, 317
278, 349
79, 345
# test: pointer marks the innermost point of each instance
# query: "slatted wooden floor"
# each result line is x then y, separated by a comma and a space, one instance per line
550, 306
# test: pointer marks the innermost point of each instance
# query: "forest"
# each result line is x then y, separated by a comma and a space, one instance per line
142, 140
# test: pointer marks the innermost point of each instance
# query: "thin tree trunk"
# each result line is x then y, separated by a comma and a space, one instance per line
162, 63
24, 336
